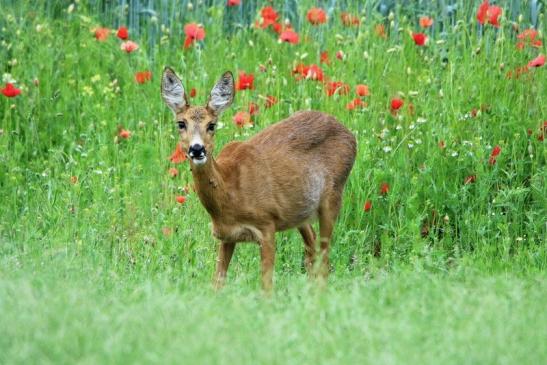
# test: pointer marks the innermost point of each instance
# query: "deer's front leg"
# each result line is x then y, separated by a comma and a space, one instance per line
267, 259
225, 252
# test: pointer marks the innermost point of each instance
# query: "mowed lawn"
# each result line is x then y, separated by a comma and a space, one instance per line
439, 254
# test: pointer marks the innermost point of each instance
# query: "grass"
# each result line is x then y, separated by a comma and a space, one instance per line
395, 317
100, 264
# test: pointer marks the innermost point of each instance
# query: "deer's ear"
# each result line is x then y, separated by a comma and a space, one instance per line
222, 94
172, 91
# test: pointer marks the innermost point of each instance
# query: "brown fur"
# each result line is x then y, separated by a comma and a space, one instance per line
282, 178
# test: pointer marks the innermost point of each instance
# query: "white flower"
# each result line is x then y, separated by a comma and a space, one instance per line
8, 78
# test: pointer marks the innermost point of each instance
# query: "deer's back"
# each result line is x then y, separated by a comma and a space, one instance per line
303, 131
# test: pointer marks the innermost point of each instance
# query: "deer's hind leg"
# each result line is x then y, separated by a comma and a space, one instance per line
328, 212
310, 248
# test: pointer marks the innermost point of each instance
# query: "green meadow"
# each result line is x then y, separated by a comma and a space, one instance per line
439, 255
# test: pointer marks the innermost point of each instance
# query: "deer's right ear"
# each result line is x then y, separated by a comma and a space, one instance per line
172, 91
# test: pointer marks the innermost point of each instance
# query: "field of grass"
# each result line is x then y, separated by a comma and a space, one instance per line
439, 255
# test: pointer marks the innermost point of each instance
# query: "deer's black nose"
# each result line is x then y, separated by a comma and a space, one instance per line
196, 150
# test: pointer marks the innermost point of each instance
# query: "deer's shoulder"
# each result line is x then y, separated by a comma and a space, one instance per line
235, 153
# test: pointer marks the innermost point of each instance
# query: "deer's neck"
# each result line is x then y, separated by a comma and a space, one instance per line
210, 187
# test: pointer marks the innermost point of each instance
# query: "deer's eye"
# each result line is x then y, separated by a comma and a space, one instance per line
211, 127
182, 124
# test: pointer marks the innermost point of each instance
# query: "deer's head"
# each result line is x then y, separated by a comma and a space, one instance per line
196, 124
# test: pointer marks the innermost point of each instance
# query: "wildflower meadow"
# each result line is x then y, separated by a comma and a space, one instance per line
438, 256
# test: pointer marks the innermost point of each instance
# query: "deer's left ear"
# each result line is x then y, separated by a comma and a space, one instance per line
222, 94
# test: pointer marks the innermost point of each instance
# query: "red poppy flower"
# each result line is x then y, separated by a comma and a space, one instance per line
419, 38
362, 90
129, 46
245, 81
253, 108
181, 199
193, 92
356, 103
442, 144
384, 188
340, 55
349, 19
10, 91
194, 32
289, 36
124, 133
122, 33
167, 231
101, 34
269, 16
350, 105
277, 28
143, 76
470, 179
529, 36
368, 206
178, 156
311, 72
173, 172
316, 16
270, 101
426, 22
396, 104
542, 132
336, 87
324, 57
242, 118
537, 62
482, 10
410, 108
314, 72
300, 69
487, 14
518, 72
233, 2
495, 153
380, 30
494, 12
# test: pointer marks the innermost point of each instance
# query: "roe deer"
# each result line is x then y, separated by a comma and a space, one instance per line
283, 177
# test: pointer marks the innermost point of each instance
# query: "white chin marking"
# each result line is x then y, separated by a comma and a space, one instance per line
199, 162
